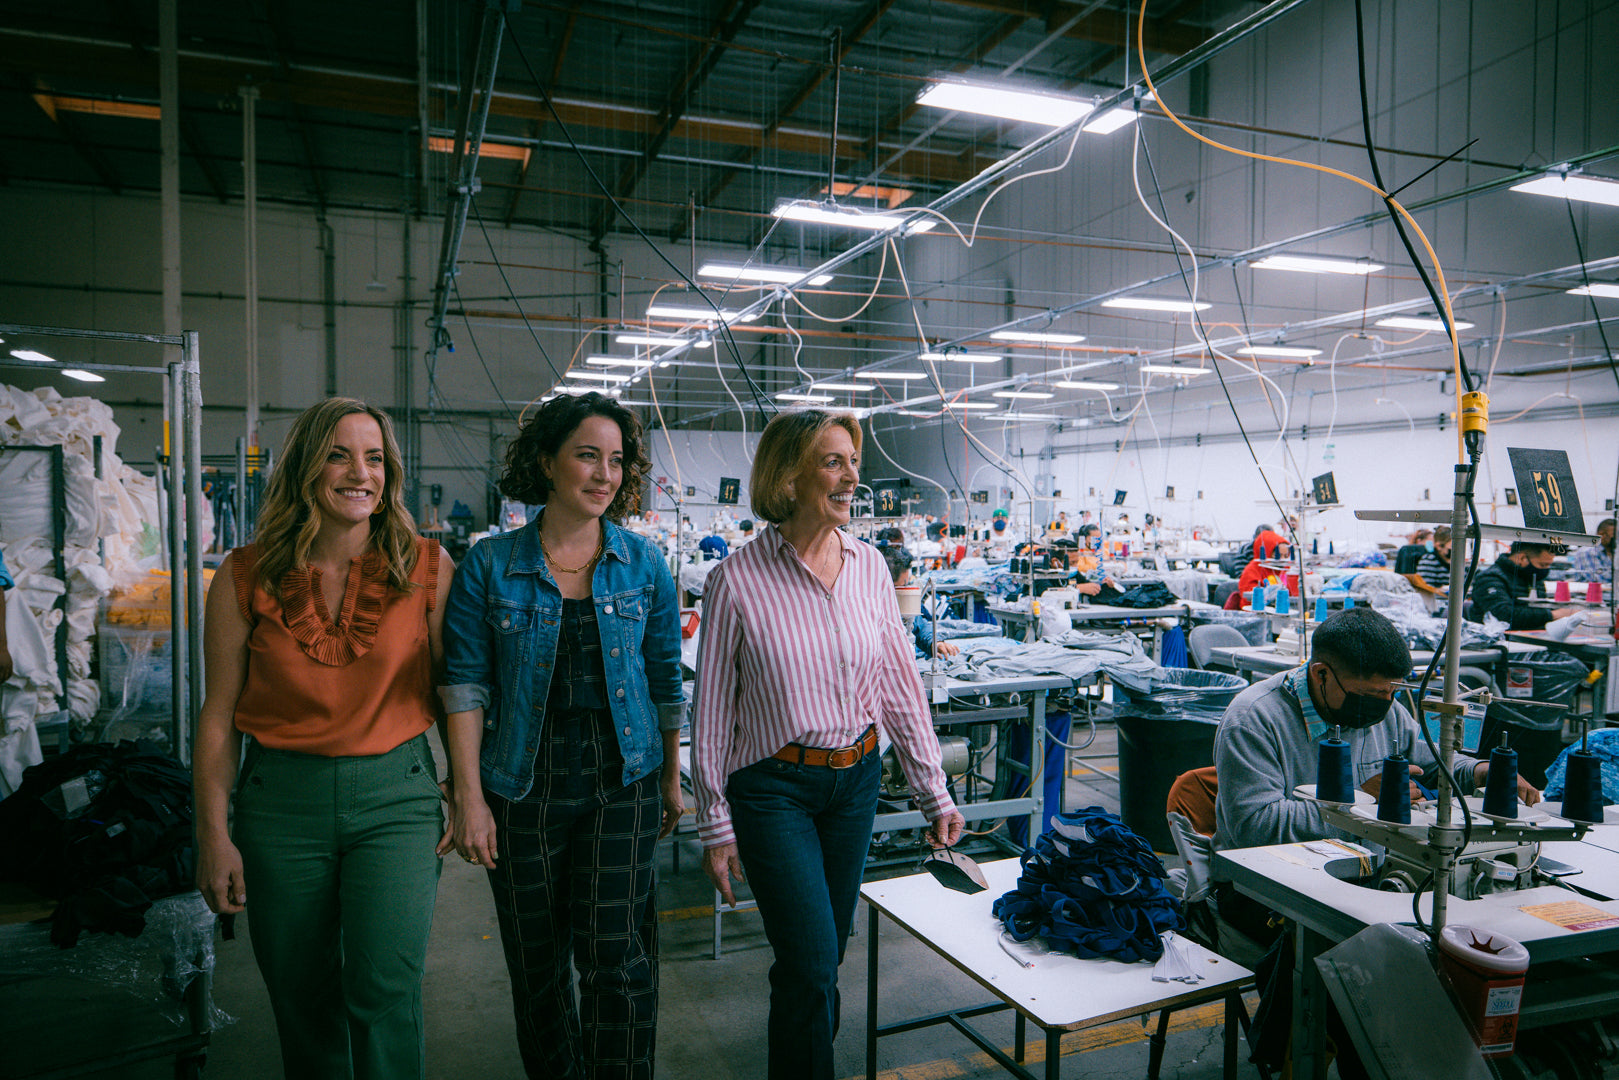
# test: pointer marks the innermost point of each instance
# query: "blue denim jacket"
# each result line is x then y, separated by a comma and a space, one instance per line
500, 642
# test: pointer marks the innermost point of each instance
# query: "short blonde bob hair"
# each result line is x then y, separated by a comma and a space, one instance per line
785, 451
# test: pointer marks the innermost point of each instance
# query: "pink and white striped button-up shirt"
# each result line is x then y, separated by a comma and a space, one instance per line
784, 660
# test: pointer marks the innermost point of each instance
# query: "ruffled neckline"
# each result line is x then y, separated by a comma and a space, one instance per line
322, 639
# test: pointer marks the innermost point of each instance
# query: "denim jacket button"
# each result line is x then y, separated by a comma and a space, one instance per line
506, 622
626, 731
608, 610
619, 692
613, 653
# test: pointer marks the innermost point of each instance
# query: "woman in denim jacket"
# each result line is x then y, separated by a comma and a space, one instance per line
562, 648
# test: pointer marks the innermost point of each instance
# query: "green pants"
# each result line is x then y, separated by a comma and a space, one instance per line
341, 877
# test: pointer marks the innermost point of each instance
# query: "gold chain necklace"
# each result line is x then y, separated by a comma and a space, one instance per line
551, 559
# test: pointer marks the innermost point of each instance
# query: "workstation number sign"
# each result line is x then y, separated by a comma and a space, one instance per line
886, 502
1546, 490
1325, 489
980, 496
730, 490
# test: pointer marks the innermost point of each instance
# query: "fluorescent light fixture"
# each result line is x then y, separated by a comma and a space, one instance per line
617, 361
832, 214
1155, 303
1578, 188
1609, 291
1085, 384
774, 275
1038, 338
1111, 121
697, 314
1173, 369
851, 387
1412, 322
1024, 106
980, 406
1030, 416
659, 340
82, 376
961, 357
1315, 264
602, 376
913, 412
819, 399
1021, 395
885, 375
30, 354
1278, 351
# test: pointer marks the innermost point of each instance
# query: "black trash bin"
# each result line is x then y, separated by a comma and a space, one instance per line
1165, 729
1534, 731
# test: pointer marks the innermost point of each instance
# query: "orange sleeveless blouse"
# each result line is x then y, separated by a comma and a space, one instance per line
359, 684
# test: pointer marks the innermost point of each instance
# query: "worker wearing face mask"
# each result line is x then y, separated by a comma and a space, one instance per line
1268, 741
1503, 589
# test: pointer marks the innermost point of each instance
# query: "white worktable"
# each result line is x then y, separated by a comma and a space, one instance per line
1059, 993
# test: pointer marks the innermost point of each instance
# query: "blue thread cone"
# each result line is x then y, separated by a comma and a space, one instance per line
1321, 609
1282, 600
1349, 602
1582, 787
1394, 796
1258, 601
1334, 779
1501, 789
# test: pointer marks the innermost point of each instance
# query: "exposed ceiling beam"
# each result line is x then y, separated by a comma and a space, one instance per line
388, 94
1105, 27
851, 38
734, 18
537, 127
293, 116
72, 131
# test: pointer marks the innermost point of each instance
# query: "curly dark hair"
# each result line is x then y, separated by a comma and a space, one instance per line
545, 432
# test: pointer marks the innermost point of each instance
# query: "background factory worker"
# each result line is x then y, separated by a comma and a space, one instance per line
1595, 563
803, 656
899, 568
1432, 574
1502, 589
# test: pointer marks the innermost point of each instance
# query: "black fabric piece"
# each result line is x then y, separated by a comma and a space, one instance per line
1407, 558
1272, 1028
105, 831
1152, 594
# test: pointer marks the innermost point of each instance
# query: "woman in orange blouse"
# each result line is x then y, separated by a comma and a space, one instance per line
322, 642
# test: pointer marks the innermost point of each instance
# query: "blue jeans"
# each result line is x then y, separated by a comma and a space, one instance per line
803, 832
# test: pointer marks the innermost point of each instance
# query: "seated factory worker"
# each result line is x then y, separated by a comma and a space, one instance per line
1502, 590
1266, 744
1595, 563
1411, 552
1256, 571
899, 568
1432, 574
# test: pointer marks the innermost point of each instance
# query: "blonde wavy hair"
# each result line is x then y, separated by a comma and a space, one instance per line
786, 450
288, 523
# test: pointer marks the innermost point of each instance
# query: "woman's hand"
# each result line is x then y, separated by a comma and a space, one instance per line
1088, 588
721, 864
945, 830
471, 833
674, 801
943, 649
219, 876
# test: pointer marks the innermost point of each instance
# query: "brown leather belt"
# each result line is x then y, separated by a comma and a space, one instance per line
841, 758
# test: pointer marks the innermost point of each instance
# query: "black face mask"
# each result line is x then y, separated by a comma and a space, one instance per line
1358, 711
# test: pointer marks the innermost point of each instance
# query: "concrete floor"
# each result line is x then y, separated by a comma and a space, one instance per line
712, 1015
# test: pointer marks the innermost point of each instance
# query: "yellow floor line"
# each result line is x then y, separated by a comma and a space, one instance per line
1120, 1033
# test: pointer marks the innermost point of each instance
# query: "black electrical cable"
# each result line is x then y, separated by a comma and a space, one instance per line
1468, 382
759, 398
1282, 514
944, 449
511, 293
479, 353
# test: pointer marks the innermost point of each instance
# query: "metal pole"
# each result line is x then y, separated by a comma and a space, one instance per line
173, 441
239, 504
1444, 835
168, 66
250, 256
193, 495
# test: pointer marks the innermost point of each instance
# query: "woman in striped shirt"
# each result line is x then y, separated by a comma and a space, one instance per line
803, 657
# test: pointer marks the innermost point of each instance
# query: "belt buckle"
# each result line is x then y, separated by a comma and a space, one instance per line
845, 757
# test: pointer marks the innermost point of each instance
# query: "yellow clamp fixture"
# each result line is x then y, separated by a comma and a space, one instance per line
1475, 411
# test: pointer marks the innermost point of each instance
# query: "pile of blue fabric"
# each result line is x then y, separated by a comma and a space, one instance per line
1091, 887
